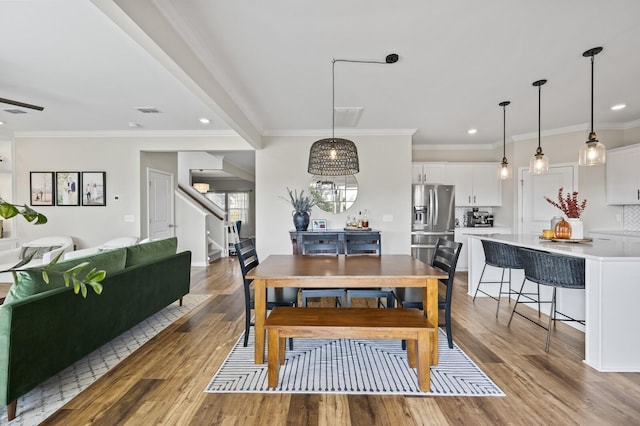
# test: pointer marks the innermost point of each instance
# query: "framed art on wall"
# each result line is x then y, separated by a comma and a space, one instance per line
94, 189
41, 188
67, 188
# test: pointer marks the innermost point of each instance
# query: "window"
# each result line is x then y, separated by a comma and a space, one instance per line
236, 204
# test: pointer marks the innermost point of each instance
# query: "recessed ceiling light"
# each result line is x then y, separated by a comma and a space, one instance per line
135, 125
618, 107
472, 131
205, 120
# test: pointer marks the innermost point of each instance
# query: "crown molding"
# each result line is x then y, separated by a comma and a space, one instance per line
454, 147
340, 132
138, 133
585, 127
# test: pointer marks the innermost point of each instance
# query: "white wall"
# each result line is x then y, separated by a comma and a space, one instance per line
384, 189
120, 158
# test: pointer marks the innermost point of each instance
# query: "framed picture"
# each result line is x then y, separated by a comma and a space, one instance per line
319, 224
94, 191
68, 188
42, 187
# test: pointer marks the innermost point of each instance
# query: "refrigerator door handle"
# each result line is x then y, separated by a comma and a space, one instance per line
435, 211
431, 209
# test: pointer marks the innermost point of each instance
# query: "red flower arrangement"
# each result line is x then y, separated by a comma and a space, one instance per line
569, 204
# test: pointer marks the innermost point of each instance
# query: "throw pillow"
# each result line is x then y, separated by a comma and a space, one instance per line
153, 250
30, 282
37, 252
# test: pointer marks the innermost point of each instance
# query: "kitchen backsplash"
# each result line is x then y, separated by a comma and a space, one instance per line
461, 212
630, 218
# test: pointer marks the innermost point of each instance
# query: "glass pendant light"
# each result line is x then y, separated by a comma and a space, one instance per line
592, 152
504, 169
539, 163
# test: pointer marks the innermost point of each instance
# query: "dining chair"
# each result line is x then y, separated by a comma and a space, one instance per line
555, 270
445, 257
321, 244
248, 258
358, 244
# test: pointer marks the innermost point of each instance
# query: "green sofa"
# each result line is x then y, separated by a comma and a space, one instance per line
44, 328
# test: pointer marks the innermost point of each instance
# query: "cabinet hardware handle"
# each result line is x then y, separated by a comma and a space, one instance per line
638, 194
474, 199
469, 199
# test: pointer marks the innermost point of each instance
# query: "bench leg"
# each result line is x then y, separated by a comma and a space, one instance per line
424, 360
411, 353
282, 345
11, 410
273, 355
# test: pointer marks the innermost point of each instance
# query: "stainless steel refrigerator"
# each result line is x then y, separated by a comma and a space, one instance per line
433, 217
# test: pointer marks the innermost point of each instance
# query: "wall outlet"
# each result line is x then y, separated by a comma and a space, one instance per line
387, 218
128, 218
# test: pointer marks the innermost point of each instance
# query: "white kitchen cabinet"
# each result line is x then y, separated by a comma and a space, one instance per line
461, 235
476, 184
428, 173
623, 175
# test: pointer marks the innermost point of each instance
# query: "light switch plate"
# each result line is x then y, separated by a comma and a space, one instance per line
128, 218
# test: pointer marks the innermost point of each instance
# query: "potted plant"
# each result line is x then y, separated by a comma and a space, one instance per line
302, 205
572, 208
80, 276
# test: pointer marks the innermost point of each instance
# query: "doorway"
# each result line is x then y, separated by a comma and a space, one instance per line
534, 211
160, 204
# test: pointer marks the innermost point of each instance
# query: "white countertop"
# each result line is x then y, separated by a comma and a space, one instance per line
618, 233
603, 250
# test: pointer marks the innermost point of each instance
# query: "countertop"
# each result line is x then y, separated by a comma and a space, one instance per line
618, 233
602, 250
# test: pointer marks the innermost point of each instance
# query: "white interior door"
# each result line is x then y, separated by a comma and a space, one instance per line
160, 204
535, 212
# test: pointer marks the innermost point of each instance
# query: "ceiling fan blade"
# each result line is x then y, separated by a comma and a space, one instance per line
21, 104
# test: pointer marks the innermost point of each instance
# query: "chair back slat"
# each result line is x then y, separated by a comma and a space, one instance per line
320, 244
552, 269
501, 255
247, 257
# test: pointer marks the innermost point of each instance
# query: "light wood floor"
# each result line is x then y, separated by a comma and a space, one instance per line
163, 382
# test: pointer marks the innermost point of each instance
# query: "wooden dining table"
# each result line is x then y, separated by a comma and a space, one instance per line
387, 270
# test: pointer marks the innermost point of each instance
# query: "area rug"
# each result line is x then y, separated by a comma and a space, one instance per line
352, 366
40, 403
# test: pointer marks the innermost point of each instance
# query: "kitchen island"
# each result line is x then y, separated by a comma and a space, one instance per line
609, 302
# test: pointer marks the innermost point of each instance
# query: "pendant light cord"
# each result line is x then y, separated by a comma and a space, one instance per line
504, 131
592, 60
539, 113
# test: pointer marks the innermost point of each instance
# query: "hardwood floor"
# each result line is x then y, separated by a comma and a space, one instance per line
163, 382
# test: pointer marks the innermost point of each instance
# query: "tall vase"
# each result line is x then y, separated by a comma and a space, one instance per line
577, 228
301, 220
563, 230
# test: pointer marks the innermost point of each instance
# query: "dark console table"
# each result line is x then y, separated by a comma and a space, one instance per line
297, 236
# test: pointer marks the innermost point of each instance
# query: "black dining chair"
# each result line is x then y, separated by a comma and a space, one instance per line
555, 270
358, 244
248, 258
321, 244
445, 257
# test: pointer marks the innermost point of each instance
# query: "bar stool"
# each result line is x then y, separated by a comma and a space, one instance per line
554, 270
505, 257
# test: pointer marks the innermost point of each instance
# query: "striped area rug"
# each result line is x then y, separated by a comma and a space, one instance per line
352, 366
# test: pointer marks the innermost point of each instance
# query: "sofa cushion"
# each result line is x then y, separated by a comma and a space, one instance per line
30, 282
153, 250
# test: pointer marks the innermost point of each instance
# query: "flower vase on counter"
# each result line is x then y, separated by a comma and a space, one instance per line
577, 228
563, 230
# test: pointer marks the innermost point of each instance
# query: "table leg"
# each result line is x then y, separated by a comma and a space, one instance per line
260, 296
430, 304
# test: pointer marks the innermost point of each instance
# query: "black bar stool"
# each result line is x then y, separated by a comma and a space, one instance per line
554, 270
505, 257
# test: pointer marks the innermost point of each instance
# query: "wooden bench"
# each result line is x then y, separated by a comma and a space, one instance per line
351, 323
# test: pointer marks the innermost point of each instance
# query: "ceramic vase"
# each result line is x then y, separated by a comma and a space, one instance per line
301, 220
577, 228
563, 230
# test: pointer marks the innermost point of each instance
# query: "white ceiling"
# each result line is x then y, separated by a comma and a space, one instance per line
264, 67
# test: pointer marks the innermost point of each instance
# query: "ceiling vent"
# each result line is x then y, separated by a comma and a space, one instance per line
15, 111
348, 116
148, 110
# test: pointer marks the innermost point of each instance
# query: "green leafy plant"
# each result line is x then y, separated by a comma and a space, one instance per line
300, 202
80, 276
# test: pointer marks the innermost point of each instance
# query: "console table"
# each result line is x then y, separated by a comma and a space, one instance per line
297, 236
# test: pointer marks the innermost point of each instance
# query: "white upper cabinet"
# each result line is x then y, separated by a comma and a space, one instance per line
623, 175
476, 184
428, 173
